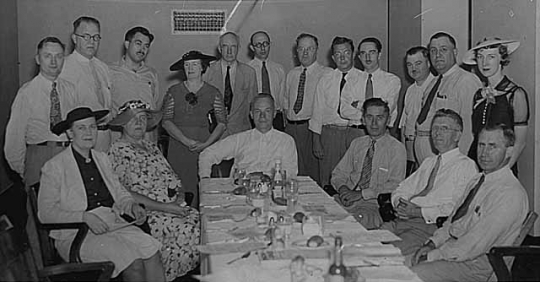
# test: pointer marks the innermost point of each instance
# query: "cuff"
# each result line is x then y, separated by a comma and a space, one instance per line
434, 255
428, 216
368, 194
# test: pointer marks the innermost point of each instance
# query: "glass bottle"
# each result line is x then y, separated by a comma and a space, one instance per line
337, 271
278, 180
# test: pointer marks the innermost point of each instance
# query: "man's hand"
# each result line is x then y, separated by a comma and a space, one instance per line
355, 104
318, 149
421, 254
97, 226
139, 213
348, 197
406, 209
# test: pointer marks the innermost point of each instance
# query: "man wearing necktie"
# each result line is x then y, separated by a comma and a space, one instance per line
433, 190
374, 164
90, 75
490, 213
453, 89
332, 134
299, 98
270, 75
40, 103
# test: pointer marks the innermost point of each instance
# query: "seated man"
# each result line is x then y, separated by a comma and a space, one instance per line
256, 149
433, 190
374, 164
78, 185
490, 213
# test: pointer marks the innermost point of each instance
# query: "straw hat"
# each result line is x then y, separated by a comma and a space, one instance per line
469, 57
130, 109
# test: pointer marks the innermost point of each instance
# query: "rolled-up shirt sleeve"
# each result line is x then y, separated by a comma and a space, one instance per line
222, 150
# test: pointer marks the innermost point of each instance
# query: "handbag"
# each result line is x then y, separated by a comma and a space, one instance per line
212, 120
386, 210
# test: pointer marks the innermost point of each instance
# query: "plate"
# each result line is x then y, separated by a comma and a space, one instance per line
302, 244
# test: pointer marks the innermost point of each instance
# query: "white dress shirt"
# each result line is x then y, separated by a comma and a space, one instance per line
327, 99
413, 105
253, 151
314, 72
455, 172
276, 74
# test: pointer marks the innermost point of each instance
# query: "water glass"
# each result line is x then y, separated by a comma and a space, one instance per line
253, 191
291, 194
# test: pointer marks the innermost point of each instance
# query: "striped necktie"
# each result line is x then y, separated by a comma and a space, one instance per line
300, 94
55, 112
365, 175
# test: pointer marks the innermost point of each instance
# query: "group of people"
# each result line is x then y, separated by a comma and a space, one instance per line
86, 133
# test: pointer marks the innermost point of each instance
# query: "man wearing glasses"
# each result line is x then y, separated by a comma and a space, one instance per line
90, 75
270, 75
298, 103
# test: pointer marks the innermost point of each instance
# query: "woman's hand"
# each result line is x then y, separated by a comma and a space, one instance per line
139, 214
96, 224
174, 208
198, 147
189, 142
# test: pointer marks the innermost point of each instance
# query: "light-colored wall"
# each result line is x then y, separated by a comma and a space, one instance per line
284, 20
516, 20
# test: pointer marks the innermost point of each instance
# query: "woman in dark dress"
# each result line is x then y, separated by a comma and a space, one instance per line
186, 112
500, 100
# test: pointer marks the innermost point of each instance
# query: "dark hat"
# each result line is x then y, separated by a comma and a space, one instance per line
191, 55
75, 115
130, 109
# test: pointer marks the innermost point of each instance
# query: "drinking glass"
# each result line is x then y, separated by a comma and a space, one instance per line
291, 194
252, 191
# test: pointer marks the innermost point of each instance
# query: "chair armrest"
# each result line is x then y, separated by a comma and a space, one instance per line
82, 230
496, 255
105, 268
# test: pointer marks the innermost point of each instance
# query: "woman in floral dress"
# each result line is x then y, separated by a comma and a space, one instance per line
144, 171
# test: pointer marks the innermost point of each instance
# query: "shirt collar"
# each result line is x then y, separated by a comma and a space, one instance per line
503, 173
311, 67
124, 65
426, 82
258, 61
224, 64
44, 80
80, 57
450, 154
451, 70
376, 72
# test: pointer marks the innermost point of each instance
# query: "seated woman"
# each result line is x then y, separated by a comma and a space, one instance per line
78, 185
146, 173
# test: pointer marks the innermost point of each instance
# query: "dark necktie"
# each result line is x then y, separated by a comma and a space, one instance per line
462, 210
369, 87
265, 80
228, 91
431, 179
341, 85
427, 104
365, 175
55, 114
300, 93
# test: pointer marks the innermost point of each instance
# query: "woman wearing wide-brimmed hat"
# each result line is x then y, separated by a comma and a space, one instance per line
500, 100
187, 109
142, 169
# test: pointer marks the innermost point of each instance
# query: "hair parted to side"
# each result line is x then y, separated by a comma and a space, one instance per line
451, 114
508, 132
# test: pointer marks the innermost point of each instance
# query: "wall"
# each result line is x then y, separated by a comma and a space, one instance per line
9, 78
284, 20
516, 20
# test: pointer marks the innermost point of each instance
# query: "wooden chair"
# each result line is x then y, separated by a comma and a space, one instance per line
54, 265
496, 254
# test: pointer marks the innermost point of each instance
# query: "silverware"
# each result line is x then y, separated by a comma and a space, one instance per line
245, 255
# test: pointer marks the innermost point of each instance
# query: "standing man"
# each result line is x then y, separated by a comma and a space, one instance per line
299, 99
270, 75
433, 191
373, 165
39, 105
333, 134
453, 89
90, 76
490, 213
132, 79
235, 80
418, 68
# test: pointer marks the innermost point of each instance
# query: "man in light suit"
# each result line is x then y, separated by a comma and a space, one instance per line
236, 81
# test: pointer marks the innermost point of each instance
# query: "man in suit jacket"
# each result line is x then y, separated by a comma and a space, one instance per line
236, 81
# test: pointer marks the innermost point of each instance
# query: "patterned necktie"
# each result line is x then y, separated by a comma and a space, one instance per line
55, 113
265, 80
462, 210
341, 85
427, 104
228, 91
300, 94
99, 93
369, 87
365, 175
431, 179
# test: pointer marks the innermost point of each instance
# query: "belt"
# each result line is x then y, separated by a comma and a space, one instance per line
297, 121
423, 133
54, 143
339, 127
103, 127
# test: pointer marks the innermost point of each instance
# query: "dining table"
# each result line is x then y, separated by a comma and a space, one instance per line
235, 244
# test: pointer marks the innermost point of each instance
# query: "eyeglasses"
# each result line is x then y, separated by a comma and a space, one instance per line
309, 49
86, 37
261, 44
442, 129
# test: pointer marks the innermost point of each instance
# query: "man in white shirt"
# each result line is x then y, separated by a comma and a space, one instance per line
418, 68
490, 213
256, 149
332, 134
435, 188
454, 89
378, 83
270, 75
90, 76
299, 97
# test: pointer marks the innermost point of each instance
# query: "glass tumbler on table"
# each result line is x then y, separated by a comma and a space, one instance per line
291, 194
253, 191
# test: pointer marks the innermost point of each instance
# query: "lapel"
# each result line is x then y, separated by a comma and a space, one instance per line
238, 93
73, 175
215, 76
